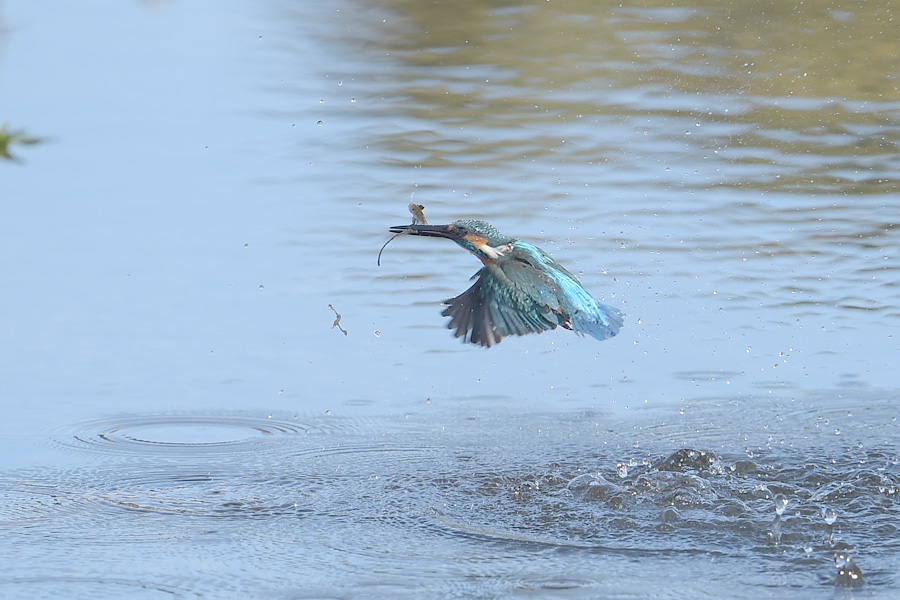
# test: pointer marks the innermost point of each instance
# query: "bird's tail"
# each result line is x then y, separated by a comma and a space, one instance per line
602, 322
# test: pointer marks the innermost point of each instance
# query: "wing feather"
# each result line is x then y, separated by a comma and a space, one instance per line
527, 292
561, 291
494, 307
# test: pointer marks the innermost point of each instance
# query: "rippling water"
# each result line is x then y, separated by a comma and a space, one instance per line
183, 421
453, 503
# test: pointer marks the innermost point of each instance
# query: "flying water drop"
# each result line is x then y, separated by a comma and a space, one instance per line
781, 503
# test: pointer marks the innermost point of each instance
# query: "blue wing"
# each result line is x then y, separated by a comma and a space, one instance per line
527, 292
584, 314
492, 308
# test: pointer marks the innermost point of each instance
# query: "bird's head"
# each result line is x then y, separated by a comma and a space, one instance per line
478, 237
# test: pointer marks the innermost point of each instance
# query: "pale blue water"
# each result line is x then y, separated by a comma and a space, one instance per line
183, 421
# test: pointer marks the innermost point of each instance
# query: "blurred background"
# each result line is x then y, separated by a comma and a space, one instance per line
187, 187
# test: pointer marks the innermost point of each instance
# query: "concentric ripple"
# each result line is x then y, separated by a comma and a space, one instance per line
153, 434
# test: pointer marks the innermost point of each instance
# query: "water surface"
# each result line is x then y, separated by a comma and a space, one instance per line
183, 421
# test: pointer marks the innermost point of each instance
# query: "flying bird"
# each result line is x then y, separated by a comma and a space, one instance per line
519, 290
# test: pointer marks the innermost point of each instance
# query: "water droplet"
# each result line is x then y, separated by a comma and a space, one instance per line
622, 470
829, 514
781, 503
319, 123
377, 333
327, 413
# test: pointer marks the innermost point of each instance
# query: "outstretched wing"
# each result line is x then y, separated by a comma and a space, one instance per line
527, 292
496, 306
535, 273
581, 312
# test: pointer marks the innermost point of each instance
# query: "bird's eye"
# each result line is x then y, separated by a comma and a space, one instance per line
462, 231
522, 260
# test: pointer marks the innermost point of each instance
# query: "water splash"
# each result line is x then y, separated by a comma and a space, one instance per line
848, 574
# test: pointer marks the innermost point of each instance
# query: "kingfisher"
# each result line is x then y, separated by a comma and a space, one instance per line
519, 290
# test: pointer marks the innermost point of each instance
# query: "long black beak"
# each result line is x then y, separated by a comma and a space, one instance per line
443, 231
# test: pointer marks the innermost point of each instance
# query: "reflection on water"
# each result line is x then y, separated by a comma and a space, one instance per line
481, 498
699, 97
